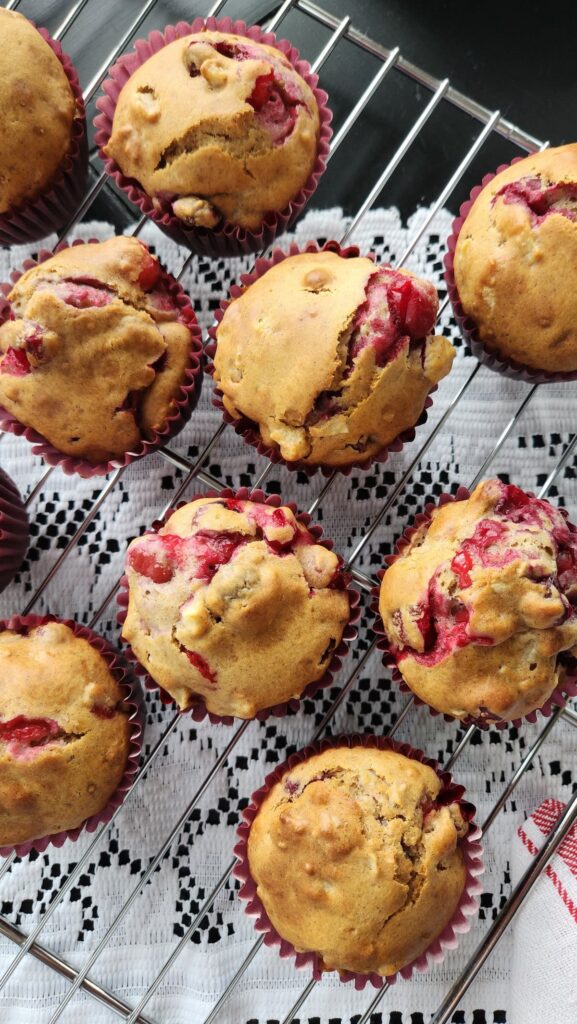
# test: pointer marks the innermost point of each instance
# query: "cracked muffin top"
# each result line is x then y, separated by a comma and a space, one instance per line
512, 261
96, 352
217, 126
64, 733
37, 110
356, 859
332, 358
483, 601
234, 602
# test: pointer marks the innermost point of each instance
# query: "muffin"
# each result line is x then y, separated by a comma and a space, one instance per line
97, 352
13, 530
41, 118
332, 358
64, 732
511, 262
216, 127
480, 607
234, 602
356, 856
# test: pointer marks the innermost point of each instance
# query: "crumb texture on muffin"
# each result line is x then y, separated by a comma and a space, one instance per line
219, 126
482, 602
96, 353
64, 734
514, 261
37, 109
332, 358
356, 858
235, 602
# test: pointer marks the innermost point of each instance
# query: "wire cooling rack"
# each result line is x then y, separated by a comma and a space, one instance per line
480, 127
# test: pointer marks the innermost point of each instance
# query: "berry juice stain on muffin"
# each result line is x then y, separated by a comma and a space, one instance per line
356, 856
216, 126
482, 603
514, 261
332, 358
96, 350
234, 602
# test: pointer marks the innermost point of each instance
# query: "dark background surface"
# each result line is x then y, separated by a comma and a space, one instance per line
519, 58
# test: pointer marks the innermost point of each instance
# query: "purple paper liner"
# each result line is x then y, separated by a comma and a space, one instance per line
14, 532
187, 399
467, 325
472, 851
198, 710
229, 240
132, 699
246, 428
559, 696
35, 218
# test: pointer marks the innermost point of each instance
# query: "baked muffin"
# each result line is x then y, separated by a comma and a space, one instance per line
356, 860
37, 112
64, 734
331, 358
234, 602
13, 530
480, 607
216, 126
97, 352
512, 258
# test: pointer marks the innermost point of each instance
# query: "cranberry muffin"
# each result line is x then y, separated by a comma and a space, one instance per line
216, 127
37, 112
332, 358
234, 602
97, 350
356, 858
480, 607
64, 733
513, 262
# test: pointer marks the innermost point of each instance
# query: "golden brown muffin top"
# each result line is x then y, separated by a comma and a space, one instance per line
96, 354
219, 126
332, 358
37, 108
512, 261
354, 858
480, 604
63, 732
234, 601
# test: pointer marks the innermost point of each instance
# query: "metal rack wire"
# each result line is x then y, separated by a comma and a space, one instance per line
491, 122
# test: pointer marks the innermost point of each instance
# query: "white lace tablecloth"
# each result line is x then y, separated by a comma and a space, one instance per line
140, 946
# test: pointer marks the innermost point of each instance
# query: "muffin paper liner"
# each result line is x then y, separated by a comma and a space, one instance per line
132, 700
472, 851
246, 428
198, 710
35, 218
558, 698
187, 398
13, 530
467, 325
229, 239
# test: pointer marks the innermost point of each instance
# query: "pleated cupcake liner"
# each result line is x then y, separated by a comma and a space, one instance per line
467, 325
35, 218
558, 698
470, 845
198, 709
131, 701
14, 533
186, 400
246, 428
229, 239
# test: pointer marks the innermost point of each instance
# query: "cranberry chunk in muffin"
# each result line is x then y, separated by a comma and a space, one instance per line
96, 350
481, 606
331, 358
234, 602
